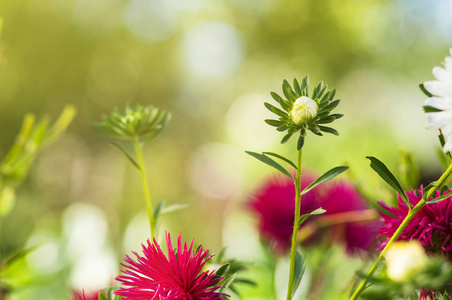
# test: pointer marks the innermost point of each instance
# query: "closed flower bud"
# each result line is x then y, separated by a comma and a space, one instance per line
304, 110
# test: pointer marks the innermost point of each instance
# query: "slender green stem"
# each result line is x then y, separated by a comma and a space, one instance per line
399, 230
147, 197
293, 248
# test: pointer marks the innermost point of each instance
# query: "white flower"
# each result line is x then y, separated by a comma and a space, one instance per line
404, 259
441, 90
304, 110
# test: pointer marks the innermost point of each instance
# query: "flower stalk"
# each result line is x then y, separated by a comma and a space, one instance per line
146, 193
403, 225
293, 248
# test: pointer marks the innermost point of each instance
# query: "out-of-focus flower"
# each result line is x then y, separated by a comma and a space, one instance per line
176, 277
274, 205
347, 217
304, 110
438, 108
431, 226
404, 259
84, 296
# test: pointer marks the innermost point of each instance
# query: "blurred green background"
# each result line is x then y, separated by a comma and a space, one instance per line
211, 64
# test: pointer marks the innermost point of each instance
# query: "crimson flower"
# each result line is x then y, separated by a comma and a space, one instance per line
82, 297
347, 217
431, 226
176, 277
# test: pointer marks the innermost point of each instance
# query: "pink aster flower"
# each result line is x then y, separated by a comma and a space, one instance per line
82, 297
431, 226
347, 217
176, 277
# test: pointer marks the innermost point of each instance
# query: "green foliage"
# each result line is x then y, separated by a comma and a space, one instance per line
324, 100
324, 178
303, 218
387, 176
142, 122
269, 161
299, 272
33, 136
162, 209
109, 294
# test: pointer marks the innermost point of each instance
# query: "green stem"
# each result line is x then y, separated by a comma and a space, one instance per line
293, 248
147, 197
399, 230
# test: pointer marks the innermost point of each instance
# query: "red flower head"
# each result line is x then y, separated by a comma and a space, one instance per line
346, 213
431, 226
154, 276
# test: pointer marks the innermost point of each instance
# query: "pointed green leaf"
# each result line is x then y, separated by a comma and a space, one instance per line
300, 142
286, 137
305, 83
173, 207
430, 109
158, 209
275, 110
440, 198
222, 270
325, 177
118, 147
284, 104
329, 130
227, 283
102, 296
282, 158
298, 273
274, 123
303, 218
296, 86
337, 116
387, 176
424, 90
267, 160
288, 92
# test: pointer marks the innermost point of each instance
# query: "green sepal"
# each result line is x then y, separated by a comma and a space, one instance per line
430, 109
300, 142
286, 137
288, 92
274, 123
303, 218
325, 177
296, 87
284, 104
424, 90
305, 84
222, 270
275, 110
267, 160
298, 273
337, 116
387, 176
329, 130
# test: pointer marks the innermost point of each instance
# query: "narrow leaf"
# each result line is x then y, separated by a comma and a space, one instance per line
424, 90
300, 142
227, 283
281, 157
303, 218
117, 146
267, 160
286, 137
274, 123
296, 86
222, 270
299, 271
329, 130
158, 209
275, 110
172, 208
440, 198
387, 176
430, 109
325, 177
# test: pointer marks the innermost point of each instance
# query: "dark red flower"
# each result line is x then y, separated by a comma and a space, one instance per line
347, 216
431, 226
176, 277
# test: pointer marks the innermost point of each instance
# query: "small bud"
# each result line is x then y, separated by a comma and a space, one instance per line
304, 110
404, 259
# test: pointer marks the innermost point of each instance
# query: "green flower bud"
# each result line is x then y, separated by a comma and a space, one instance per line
304, 110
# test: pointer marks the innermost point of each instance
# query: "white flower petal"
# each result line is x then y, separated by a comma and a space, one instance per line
441, 74
439, 103
448, 145
448, 63
439, 88
439, 119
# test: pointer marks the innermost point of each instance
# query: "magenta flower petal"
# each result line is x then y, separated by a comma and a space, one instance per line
431, 226
176, 277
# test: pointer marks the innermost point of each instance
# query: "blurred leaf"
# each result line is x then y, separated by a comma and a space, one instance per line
228, 282
325, 177
422, 88
387, 176
409, 171
7, 200
173, 208
222, 270
440, 198
130, 158
298, 273
267, 160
